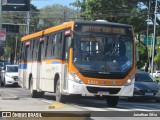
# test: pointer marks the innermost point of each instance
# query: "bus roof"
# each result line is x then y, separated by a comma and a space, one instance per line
49, 30
103, 22
70, 24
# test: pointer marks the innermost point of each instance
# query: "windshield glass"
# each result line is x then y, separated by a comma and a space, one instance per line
12, 69
141, 77
112, 53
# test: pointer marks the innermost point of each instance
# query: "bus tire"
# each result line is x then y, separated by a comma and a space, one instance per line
34, 93
59, 96
112, 101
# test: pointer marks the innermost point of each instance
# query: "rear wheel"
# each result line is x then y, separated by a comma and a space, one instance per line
34, 93
112, 101
59, 96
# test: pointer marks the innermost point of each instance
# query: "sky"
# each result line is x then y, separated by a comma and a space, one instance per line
42, 3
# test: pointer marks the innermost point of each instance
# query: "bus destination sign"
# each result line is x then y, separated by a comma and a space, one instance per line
103, 29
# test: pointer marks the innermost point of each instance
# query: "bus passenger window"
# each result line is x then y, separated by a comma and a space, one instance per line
67, 46
46, 48
53, 45
57, 46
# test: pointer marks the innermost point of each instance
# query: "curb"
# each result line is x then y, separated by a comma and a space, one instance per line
55, 105
6, 96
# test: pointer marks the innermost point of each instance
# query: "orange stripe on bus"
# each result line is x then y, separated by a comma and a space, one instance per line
50, 30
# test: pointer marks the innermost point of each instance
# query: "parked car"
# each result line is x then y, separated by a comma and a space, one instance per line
2, 65
9, 75
146, 87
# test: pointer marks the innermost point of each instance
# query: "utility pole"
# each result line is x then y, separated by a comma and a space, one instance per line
147, 37
77, 10
64, 16
154, 37
28, 23
15, 57
0, 14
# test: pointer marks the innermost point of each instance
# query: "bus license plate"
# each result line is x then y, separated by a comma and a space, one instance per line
103, 93
149, 94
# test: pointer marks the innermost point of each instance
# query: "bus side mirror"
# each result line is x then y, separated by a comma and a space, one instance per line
137, 54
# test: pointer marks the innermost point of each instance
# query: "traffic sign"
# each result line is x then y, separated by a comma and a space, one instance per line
16, 5
150, 40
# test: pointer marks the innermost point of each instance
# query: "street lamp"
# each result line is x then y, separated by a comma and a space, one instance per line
154, 37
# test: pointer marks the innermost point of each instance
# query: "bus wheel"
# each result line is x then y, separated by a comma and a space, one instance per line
34, 93
112, 101
59, 96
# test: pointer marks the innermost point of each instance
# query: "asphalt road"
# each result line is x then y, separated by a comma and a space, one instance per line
18, 99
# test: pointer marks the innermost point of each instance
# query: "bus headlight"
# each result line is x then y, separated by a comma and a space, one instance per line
76, 78
130, 81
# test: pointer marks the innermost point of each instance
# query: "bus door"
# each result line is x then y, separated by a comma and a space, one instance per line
25, 64
67, 44
39, 62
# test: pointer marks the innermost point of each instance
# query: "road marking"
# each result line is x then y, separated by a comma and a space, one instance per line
54, 105
57, 105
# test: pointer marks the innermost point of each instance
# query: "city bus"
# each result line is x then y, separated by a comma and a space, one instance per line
72, 59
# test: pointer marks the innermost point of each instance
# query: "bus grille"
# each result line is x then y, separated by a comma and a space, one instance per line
96, 89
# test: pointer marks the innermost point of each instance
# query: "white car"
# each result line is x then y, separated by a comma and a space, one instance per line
9, 75
156, 73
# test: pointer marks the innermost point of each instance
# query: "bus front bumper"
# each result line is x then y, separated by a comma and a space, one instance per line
91, 90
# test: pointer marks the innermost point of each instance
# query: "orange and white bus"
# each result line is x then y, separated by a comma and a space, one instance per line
86, 58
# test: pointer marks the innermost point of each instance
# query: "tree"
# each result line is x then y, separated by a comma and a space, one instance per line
54, 15
143, 55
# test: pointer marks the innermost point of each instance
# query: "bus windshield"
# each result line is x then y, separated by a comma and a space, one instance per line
99, 53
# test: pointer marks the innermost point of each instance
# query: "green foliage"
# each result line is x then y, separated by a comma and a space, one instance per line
54, 15
142, 55
157, 57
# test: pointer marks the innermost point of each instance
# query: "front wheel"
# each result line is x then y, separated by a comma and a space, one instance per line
112, 101
59, 96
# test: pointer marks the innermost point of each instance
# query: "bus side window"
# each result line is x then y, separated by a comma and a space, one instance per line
33, 44
35, 49
21, 52
53, 45
67, 46
46, 46
57, 46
